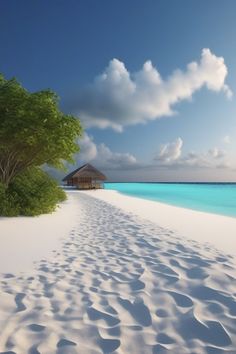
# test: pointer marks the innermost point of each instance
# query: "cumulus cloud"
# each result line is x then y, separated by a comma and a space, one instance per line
102, 156
118, 98
213, 158
170, 152
170, 155
88, 149
114, 160
169, 158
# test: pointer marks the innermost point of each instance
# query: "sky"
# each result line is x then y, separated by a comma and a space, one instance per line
153, 82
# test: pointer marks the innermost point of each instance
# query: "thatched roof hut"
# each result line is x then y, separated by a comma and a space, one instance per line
85, 177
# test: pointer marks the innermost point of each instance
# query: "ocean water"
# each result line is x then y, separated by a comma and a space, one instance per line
217, 198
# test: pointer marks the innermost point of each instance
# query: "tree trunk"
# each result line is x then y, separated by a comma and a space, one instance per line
4, 179
7, 174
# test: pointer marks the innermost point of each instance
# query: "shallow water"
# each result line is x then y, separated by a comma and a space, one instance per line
218, 198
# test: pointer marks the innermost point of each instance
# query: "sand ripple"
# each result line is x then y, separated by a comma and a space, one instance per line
121, 285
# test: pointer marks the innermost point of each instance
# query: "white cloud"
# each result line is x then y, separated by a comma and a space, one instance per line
226, 139
216, 153
102, 156
88, 149
170, 155
114, 160
170, 161
170, 152
213, 158
117, 98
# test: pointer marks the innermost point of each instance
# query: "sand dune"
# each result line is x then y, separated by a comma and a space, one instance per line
121, 284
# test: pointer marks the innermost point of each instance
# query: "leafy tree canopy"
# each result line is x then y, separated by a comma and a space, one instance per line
33, 130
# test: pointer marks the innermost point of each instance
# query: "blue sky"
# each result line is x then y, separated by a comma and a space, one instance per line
70, 46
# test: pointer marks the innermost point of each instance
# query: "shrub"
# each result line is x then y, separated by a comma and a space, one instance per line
8, 206
31, 193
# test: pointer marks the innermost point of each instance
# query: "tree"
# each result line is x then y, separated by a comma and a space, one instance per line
33, 130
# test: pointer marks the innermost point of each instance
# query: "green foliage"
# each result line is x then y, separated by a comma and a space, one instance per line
8, 206
33, 130
31, 193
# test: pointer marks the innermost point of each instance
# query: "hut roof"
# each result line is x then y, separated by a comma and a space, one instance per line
86, 170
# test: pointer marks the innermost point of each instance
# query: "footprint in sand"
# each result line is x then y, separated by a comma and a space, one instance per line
34, 350
36, 328
206, 293
9, 275
137, 285
159, 349
180, 299
164, 339
114, 331
95, 315
197, 273
138, 310
108, 345
19, 304
213, 332
162, 313
65, 342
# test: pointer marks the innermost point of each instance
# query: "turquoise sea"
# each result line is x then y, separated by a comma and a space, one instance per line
218, 198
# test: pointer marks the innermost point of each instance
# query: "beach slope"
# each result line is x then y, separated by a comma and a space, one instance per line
120, 284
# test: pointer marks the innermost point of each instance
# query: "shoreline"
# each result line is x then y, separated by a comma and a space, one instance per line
173, 205
214, 229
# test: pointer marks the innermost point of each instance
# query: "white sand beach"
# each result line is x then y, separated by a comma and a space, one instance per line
25, 240
216, 230
109, 273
